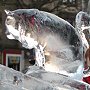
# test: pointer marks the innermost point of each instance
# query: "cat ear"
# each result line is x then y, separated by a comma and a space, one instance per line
8, 12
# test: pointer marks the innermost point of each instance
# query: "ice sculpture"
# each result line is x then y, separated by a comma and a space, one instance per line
63, 42
82, 23
59, 47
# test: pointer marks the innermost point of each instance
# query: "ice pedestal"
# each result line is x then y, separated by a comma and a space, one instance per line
37, 79
27, 82
7, 79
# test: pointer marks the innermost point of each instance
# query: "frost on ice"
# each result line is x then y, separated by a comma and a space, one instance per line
58, 45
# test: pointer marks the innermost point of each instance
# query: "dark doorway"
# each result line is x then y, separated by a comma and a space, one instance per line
14, 62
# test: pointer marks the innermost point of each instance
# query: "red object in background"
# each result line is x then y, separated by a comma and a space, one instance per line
86, 79
9, 51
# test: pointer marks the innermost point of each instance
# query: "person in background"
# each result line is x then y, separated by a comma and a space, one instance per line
87, 59
86, 78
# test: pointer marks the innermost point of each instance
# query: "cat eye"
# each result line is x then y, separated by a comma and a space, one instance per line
8, 19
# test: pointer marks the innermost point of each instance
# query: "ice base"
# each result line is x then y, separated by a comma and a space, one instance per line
38, 79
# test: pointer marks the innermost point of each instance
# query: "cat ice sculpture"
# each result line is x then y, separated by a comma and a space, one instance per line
62, 40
